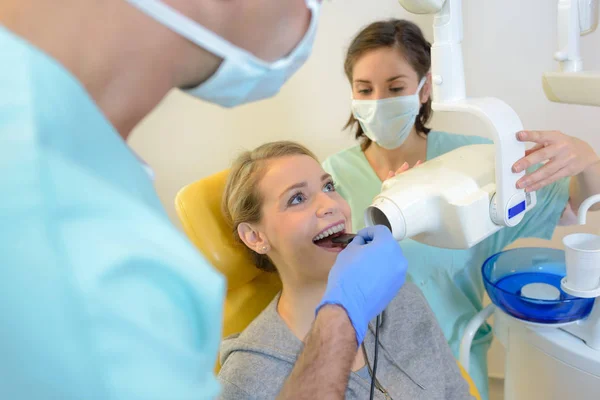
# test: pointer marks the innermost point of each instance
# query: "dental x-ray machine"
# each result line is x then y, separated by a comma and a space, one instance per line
464, 196
546, 302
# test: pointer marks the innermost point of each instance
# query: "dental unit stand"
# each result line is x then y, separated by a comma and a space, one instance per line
553, 361
583, 277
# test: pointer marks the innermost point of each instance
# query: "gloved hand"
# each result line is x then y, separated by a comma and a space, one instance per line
366, 276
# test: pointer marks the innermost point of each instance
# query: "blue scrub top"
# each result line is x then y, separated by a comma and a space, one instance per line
100, 296
449, 279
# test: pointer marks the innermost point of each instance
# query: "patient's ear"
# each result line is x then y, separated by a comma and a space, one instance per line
253, 238
426, 91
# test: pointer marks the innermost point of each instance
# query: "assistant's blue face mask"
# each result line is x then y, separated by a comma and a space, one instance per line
388, 122
241, 77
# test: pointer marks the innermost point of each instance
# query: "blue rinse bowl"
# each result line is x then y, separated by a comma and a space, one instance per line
525, 283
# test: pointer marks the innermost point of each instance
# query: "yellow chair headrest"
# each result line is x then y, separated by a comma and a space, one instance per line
199, 208
249, 290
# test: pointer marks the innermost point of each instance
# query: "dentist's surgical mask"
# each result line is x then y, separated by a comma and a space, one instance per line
241, 77
388, 122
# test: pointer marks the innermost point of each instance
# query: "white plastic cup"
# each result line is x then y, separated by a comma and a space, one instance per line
582, 255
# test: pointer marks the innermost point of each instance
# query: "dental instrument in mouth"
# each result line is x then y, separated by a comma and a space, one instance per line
343, 240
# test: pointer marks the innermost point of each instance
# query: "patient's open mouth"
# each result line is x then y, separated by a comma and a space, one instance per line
323, 239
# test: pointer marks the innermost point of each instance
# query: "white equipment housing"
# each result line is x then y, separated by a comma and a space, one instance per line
571, 84
446, 201
546, 363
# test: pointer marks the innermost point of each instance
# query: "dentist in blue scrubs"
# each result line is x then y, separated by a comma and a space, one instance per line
100, 296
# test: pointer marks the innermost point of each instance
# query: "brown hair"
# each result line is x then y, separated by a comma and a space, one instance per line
242, 201
407, 37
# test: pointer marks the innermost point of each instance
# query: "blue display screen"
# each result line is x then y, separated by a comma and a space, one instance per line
516, 210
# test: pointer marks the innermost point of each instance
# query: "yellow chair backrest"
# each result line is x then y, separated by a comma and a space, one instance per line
472, 388
249, 290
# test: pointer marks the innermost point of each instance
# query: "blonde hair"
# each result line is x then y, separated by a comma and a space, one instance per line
242, 201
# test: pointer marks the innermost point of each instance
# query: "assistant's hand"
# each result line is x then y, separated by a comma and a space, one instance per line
366, 276
404, 167
565, 156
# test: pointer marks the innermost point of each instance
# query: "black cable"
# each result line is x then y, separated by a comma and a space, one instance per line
375, 359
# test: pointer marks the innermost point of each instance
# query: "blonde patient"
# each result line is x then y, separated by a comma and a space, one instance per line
285, 209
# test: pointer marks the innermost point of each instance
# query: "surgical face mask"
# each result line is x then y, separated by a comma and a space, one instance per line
388, 122
241, 77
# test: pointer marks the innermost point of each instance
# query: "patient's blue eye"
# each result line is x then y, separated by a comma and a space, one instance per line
296, 199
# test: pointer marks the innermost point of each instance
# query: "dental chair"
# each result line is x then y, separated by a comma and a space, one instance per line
249, 290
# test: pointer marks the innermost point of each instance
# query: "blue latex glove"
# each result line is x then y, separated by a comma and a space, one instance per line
366, 276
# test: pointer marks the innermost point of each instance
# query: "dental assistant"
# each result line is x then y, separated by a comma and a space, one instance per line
388, 66
100, 296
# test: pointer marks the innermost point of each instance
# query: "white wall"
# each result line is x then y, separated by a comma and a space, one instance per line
507, 46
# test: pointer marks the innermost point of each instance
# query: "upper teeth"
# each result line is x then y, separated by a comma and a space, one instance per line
330, 231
